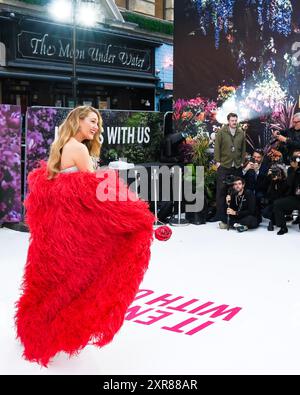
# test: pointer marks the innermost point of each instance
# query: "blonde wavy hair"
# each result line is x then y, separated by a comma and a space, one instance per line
68, 129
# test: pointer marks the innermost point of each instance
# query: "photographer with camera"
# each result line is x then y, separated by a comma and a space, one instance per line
229, 154
290, 137
241, 212
276, 188
292, 201
255, 173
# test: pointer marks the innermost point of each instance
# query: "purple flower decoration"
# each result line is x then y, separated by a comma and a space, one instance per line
10, 164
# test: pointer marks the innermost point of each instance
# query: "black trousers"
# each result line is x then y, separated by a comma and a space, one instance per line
259, 196
222, 188
250, 221
285, 206
268, 212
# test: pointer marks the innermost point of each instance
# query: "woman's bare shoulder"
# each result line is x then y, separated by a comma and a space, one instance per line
73, 144
75, 153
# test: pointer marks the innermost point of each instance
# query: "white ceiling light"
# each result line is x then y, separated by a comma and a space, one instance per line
61, 10
87, 14
86, 11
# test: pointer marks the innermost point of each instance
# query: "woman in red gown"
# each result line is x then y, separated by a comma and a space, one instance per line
87, 253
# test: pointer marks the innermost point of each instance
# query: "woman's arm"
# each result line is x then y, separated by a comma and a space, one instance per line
82, 158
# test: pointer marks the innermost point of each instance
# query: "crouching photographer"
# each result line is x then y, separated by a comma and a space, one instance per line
277, 187
241, 208
292, 202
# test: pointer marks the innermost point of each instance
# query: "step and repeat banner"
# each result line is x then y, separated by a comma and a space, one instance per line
133, 135
136, 136
236, 56
10, 163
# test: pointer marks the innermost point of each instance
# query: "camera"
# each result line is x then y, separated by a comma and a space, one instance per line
296, 159
275, 171
250, 159
229, 180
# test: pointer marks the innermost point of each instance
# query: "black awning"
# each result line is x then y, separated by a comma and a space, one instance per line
81, 79
116, 82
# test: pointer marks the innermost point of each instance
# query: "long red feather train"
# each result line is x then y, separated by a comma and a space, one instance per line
85, 262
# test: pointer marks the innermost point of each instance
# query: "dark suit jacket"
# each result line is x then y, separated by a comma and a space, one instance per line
257, 183
293, 140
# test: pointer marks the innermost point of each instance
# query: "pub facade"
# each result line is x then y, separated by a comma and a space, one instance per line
115, 64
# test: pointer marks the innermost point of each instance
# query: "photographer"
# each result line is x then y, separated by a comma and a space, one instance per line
229, 154
290, 137
276, 188
292, 202
255, 173
241, 211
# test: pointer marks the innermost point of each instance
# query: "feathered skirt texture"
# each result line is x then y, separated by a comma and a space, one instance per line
85, 262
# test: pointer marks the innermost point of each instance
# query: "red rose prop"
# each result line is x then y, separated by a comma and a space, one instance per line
163, 233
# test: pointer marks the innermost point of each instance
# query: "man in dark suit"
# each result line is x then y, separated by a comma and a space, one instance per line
255, 174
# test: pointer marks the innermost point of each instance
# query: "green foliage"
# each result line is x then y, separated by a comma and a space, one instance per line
35, 2
200, 154
149, 24
210, 178
201, 158
136, 153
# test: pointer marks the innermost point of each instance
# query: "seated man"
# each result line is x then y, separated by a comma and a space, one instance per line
277, 188
291, 202
241, 210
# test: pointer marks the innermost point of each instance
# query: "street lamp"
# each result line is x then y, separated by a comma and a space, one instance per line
80, 12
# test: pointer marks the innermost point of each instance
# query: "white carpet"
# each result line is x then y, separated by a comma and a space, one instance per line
257, 271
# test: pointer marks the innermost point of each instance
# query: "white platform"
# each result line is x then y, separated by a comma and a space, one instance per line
258, 271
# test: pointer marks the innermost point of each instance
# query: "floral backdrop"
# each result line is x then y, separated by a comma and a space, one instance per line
237, 56
10, 163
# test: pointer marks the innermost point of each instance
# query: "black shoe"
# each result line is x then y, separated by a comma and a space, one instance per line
296, 221
282, 231
270, 226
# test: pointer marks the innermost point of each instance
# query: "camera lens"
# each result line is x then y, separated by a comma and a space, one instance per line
296, 159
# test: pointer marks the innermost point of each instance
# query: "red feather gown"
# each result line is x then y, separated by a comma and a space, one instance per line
85, 262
